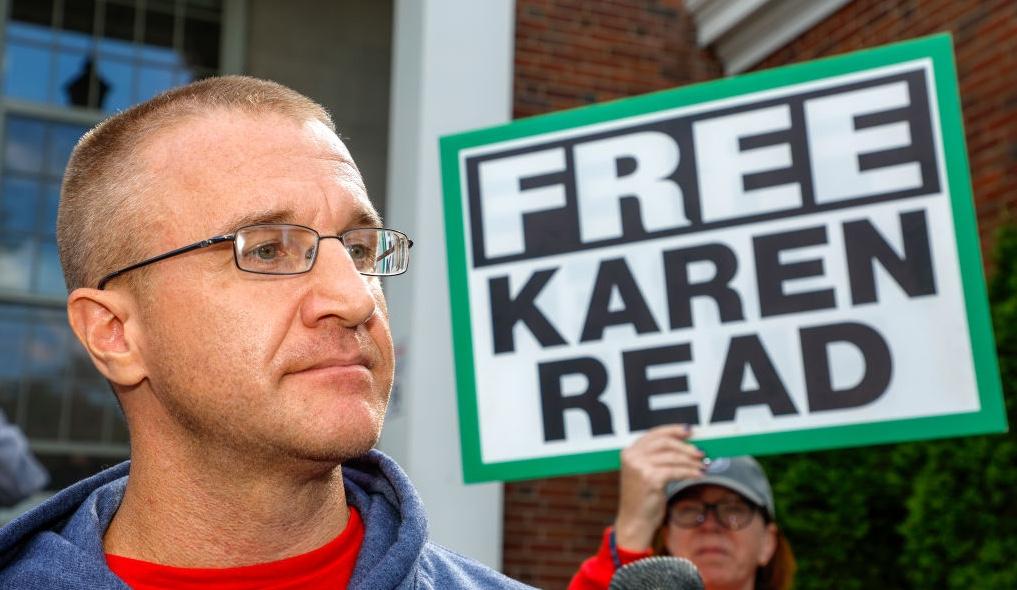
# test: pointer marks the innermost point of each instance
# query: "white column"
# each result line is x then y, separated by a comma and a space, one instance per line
452, 71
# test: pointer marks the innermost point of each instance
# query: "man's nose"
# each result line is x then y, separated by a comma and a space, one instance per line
338, 289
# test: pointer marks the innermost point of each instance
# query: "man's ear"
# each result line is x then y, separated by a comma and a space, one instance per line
103, 323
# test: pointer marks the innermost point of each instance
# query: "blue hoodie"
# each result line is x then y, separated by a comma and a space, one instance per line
58, 545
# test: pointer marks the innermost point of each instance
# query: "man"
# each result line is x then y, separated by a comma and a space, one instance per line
222, 259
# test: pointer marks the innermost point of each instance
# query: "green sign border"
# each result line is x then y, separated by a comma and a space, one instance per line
990, 418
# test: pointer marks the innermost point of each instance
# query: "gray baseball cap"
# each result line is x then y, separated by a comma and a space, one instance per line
740, 474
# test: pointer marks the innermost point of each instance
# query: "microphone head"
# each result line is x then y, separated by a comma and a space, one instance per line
660, 572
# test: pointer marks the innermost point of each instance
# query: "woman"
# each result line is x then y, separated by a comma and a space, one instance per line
718, 514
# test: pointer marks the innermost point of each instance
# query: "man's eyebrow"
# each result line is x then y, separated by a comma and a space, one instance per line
366, 218
258, 217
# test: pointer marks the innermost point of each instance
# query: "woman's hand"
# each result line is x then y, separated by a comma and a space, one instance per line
659, 456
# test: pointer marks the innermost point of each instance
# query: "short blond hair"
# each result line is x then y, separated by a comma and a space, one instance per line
101, 200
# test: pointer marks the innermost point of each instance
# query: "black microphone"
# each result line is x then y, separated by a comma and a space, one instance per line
659, 572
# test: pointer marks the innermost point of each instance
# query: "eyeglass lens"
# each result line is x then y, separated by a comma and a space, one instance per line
732, 515
292, 249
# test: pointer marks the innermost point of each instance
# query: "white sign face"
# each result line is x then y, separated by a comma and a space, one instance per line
785, 267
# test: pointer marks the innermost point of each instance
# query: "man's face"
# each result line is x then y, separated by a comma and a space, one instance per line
725, 558
272, 367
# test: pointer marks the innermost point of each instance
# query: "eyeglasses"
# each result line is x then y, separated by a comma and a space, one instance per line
733, 515
285, 249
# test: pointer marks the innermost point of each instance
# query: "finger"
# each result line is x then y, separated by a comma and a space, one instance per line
654, 472
665, 446
676, 431
670, 436
657, 479
676, 462
658, 436
692, 463
654, 463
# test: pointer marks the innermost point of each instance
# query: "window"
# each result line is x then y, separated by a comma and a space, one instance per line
107, 55
66, 65
35, 153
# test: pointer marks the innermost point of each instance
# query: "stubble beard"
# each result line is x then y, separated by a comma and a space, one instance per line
238, 436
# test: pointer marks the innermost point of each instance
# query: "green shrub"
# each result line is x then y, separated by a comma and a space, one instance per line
961, 529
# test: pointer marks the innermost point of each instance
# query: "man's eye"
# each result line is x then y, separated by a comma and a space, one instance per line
266, 252
359, 252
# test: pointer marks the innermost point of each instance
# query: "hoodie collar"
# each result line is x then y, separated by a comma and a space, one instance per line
74, 521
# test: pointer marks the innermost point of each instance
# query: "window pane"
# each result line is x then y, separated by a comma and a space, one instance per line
153, 81
62, 140
120, 433
46, 360
26, 74
30, 34
116, 48
78, 20
184, 77
77, 42
90, 400
45, 396
19, 202
201, 39
12, 343
13, 335
119, 25
48, 215
13, 338
24, 139
17, 254
120, 76
159, 34
81, 367
50, 278
206, 9
33, 11
160, 56
46, 354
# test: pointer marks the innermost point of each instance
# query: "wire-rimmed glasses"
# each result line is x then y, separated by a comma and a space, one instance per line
288, 249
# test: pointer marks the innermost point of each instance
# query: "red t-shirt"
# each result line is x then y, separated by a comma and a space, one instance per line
326, 567
597, 571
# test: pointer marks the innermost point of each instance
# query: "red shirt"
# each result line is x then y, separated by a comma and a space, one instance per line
596, 572
326, 567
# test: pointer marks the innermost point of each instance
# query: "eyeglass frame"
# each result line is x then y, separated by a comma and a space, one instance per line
231, 237
714, 507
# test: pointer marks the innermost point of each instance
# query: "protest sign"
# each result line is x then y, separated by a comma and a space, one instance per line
787, 260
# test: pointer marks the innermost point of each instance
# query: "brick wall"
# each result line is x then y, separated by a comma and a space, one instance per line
572, 52
551, 525
985, 46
